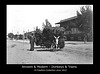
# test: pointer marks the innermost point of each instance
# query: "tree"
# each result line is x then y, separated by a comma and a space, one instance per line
43, 25
84, 21
10, 35
20, 36
47, 30
38, 35
46, 37
16, 36
48, 24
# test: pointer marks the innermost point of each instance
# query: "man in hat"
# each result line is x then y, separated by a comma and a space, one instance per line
32, 40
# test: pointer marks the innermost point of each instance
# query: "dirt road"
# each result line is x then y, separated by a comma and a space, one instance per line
73, 53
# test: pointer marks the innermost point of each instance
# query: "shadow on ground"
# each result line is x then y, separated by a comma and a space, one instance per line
44, 49
51, 50
77, 43
13, 45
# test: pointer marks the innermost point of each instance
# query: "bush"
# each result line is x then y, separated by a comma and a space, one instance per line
61, 43
46, 37
10, 35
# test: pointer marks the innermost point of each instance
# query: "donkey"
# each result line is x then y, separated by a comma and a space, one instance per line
56, 38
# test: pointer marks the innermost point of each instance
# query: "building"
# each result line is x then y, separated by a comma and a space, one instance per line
71, 27
26, 35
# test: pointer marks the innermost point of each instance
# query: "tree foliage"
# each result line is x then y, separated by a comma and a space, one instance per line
84, 22
38, 35
46, 36
48, 24
10, 35
85, 19
49, 31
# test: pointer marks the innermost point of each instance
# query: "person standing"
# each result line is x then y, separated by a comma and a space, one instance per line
32, 40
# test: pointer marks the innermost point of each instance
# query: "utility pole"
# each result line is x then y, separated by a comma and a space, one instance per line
28, 30
23, 37
18, 35
13, 35
23, 34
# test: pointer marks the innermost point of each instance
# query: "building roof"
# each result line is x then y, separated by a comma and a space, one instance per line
68, 19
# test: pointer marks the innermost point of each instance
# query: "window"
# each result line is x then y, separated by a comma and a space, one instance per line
74, 30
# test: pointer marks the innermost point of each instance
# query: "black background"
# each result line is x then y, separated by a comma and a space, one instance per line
14, 67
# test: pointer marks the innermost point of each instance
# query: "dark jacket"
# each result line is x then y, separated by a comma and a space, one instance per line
32, 39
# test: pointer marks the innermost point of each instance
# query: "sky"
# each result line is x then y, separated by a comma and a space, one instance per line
26, 17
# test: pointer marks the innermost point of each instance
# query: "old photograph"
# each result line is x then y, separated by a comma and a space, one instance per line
49, 34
